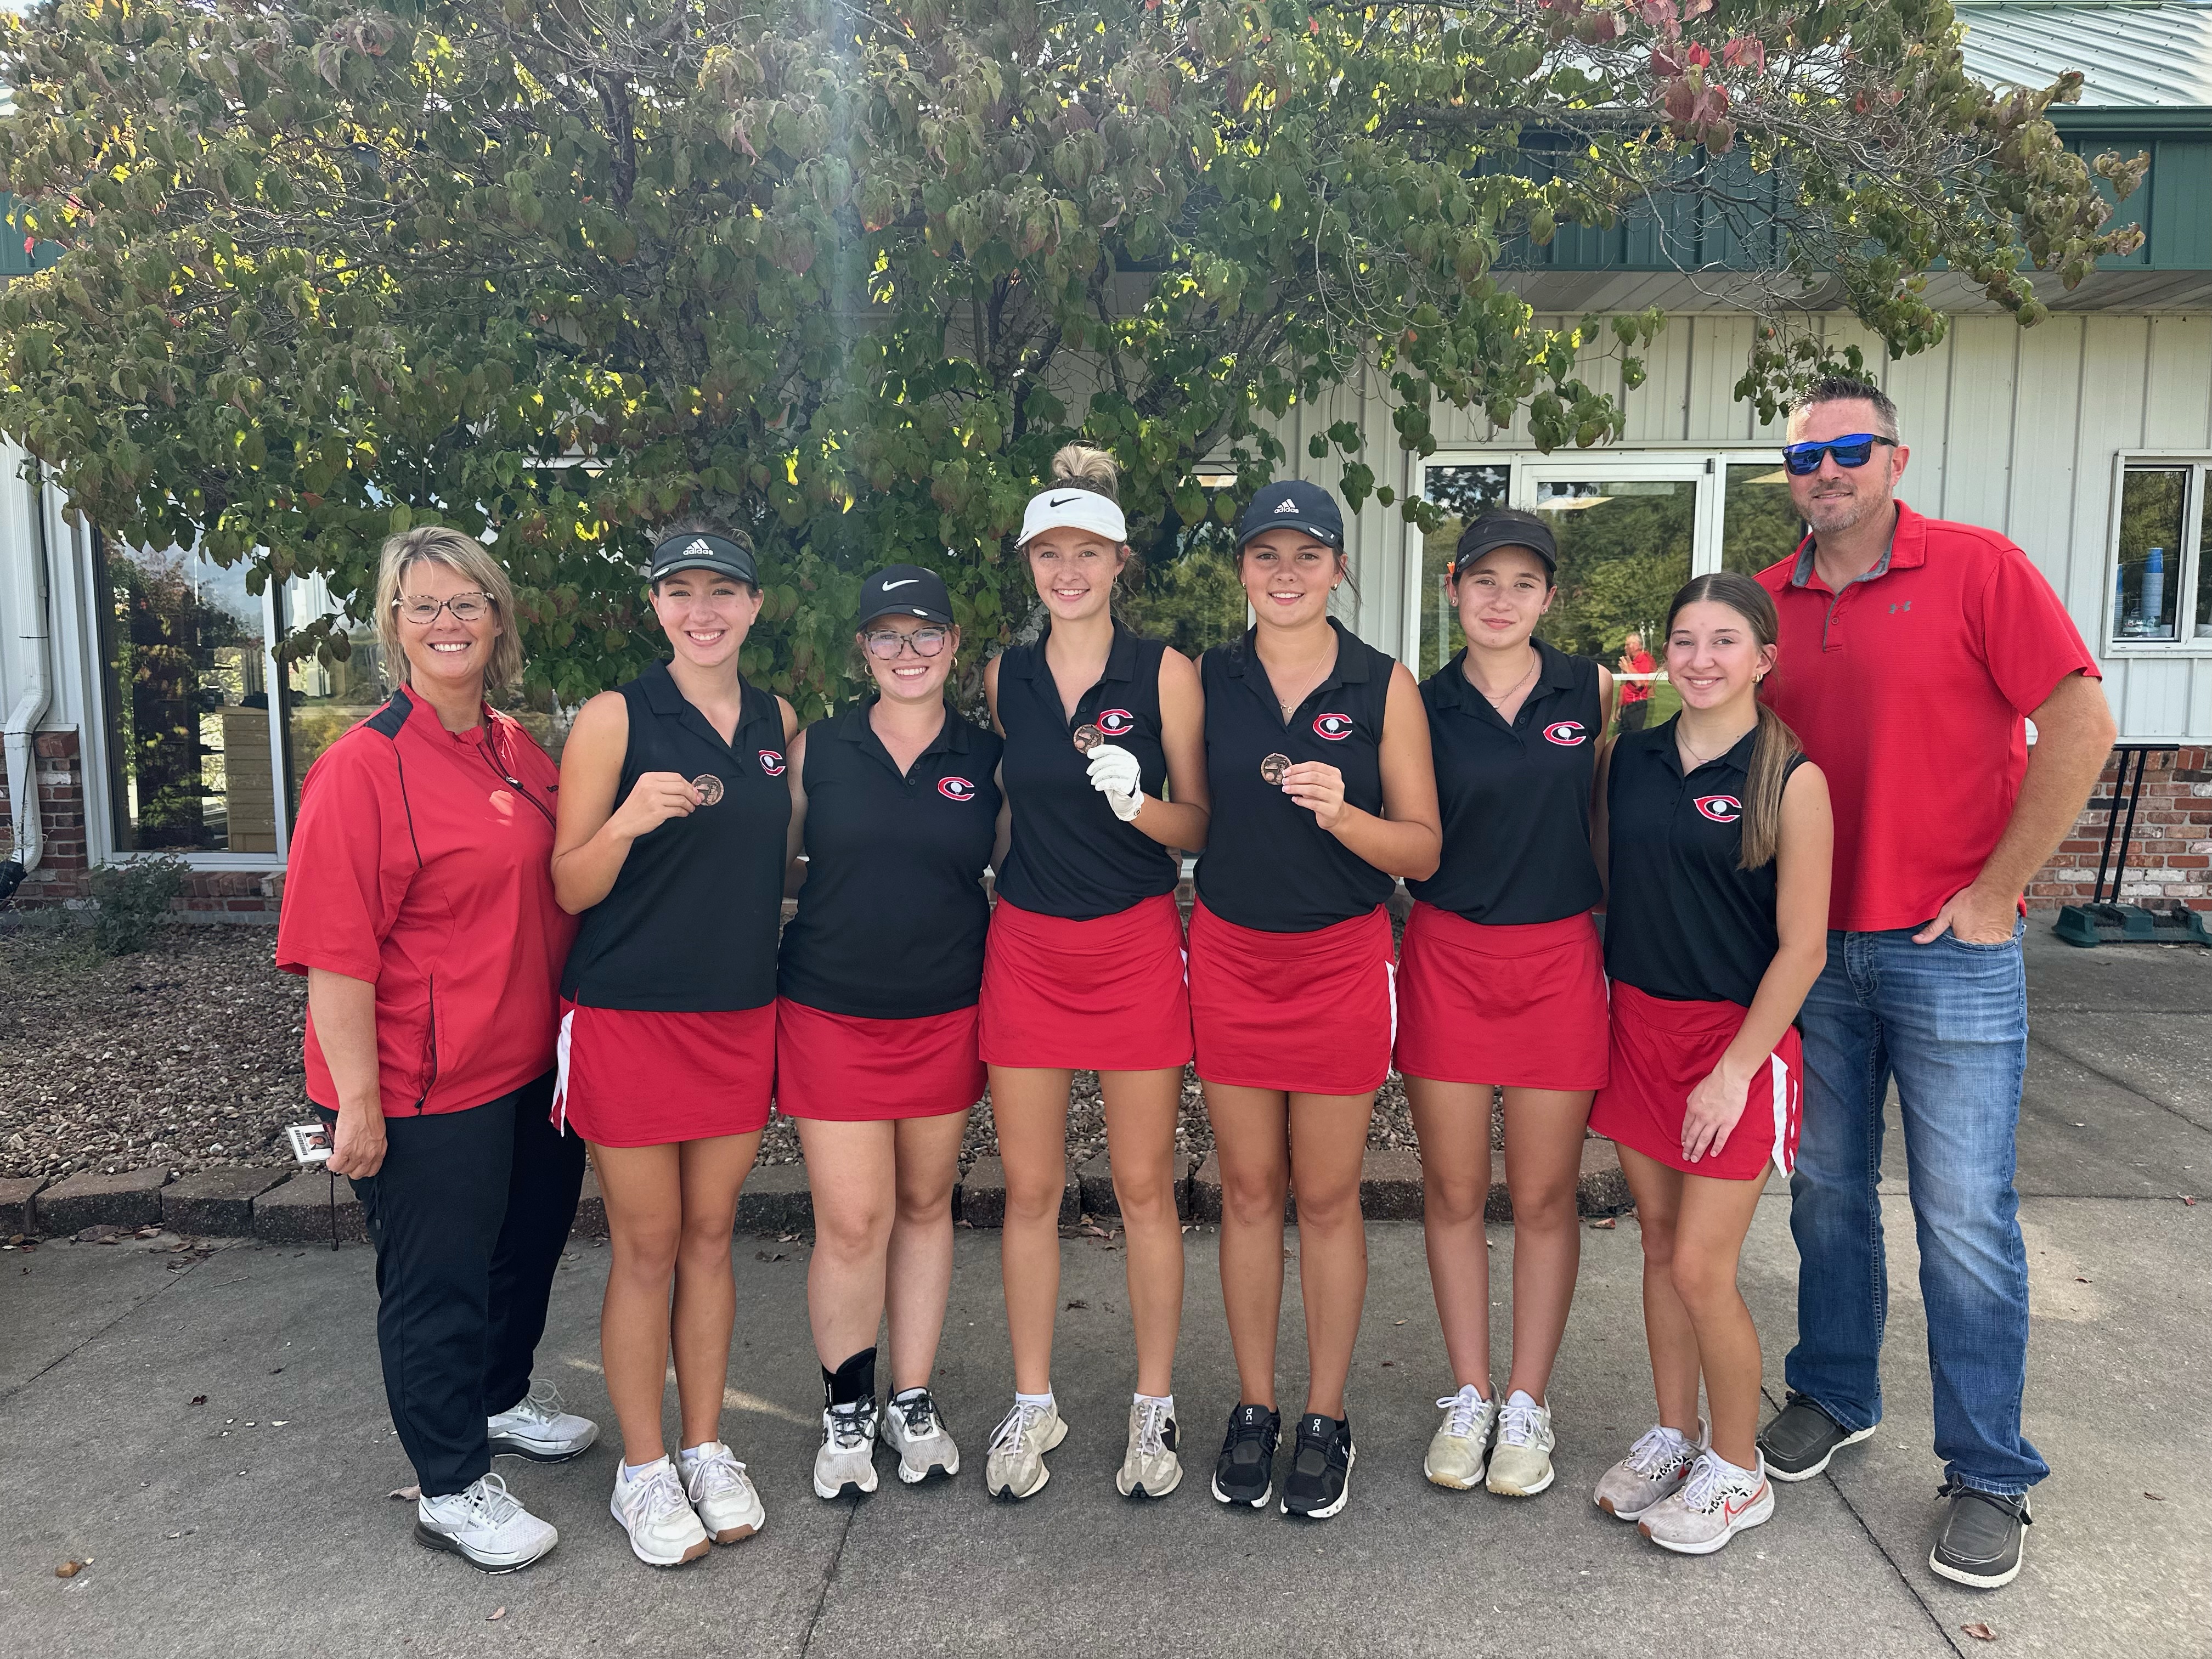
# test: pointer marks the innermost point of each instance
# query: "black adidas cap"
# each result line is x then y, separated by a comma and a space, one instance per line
725, 555
1505, 526
1295, 505
905, 590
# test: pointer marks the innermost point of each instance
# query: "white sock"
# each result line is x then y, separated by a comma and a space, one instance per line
1727, 1468
908, 1394
1041, 1401
690, 1455
1481, 1391
1679, 1439
637, 1471
1166, 1400
1519, 1397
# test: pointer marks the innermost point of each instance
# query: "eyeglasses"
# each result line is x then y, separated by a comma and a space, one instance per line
1854, 449
884, 644
465, 607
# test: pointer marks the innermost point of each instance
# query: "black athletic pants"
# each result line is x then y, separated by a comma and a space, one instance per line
1633, 714
468, 1214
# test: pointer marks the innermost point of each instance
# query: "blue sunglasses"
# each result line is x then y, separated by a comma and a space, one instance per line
1853, 449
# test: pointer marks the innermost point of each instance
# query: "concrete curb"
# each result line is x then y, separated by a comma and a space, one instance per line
1096, 1180
776, 1201
131, 1199
18, 1206
217, 1203
299, 1211
981, 1198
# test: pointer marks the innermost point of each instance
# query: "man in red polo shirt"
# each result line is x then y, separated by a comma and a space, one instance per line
1912, 650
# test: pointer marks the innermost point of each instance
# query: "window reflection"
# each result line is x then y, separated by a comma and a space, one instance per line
1464, 492
1759, 524
2147, 599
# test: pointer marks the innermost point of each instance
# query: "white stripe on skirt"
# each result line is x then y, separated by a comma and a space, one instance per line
1780, 1073
561, 1074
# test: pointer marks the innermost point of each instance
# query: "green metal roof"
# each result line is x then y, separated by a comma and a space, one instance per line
2133, 54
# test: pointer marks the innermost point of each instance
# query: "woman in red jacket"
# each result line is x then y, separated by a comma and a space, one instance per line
419, 904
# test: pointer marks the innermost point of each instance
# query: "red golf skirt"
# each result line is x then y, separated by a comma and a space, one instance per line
632, 1078
1520, 1006
1313, 1013
851, 1070
1102, 996
1663, 1049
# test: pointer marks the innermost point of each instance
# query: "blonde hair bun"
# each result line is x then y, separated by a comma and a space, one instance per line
1088, 468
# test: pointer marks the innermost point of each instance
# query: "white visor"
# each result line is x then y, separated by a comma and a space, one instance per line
1079, 509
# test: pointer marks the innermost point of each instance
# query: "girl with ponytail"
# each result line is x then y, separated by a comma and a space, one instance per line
1715, 835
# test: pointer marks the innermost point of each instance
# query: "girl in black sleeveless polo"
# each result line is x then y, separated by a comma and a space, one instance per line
1083, 967
1717, 836
1501, 982
897, 803
1318, 757
673, 809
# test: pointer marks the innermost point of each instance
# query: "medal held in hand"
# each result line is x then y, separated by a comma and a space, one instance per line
1272, 767
709, 787
1088, 738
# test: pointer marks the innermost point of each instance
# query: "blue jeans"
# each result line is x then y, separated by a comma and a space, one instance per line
1949, 1020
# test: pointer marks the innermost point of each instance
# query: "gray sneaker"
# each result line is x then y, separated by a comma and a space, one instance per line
1982, 1538
1015, 1469
1151, 1467
1655, 1465
1714, 1504
917, 1433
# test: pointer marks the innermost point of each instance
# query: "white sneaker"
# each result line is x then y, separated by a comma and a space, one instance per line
536, 1427
919, 1437
1460, 1448
1521, 1462
846, 1464
722, 1494
485, 1525
1015, 1469
1712, 1507
664, 1529
1151, 1467
1655, 1466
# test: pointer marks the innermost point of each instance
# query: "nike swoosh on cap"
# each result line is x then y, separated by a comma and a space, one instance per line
1063, 500
903, 581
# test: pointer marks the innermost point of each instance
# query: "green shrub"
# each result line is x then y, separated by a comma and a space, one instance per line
128, 899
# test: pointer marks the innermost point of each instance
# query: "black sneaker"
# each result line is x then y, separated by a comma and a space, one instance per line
1980, 1543
1245, 1471
1320, 1468
1801, 1438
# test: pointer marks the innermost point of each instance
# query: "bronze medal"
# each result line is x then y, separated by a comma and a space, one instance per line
1274, 767
709, 787
1088, 738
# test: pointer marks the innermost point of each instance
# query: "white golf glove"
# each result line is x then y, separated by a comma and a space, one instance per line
1115, 774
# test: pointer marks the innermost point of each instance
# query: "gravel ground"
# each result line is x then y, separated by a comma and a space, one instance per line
188, 1055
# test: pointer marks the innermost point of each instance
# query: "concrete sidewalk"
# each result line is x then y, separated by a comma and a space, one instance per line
255, 1523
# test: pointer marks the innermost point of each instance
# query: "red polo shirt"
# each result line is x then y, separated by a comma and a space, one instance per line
1909, 689
421, 862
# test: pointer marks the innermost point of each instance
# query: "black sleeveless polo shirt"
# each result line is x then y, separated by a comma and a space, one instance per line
1682, 922
1266, 864
1069, 855
891, 915
690, 925
1515, 799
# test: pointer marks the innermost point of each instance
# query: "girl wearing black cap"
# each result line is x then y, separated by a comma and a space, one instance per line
670, 846
1104, 773
1717, 834
1501, 983
897, 803
1317, 754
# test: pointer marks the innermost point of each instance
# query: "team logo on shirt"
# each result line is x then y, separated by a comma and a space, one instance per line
771, 762
1116, 722
1565, 733
955, 789
1721, 809
1335, 727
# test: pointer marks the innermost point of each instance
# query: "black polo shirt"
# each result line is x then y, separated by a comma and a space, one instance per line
1681, 921
690, 925
1267, 864
891, 915
1515, 799
1070, 856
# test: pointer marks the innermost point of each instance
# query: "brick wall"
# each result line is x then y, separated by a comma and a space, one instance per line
2171, 852
64, 869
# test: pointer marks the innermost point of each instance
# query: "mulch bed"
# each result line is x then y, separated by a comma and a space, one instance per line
188, 1055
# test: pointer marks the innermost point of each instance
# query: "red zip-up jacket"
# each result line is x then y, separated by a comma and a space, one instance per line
422, 862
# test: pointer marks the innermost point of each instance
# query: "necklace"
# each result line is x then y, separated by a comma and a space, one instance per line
1689, 749
1536, 663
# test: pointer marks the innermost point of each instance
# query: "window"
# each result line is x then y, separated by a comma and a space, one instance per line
323, 696
1759, 524
2157, 595
189, 753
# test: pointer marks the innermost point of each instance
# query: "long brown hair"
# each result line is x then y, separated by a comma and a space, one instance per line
1776, 745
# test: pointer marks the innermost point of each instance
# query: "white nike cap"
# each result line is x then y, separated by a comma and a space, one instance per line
1070, 507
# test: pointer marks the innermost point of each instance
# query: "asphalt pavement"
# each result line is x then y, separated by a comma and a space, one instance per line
207, 1434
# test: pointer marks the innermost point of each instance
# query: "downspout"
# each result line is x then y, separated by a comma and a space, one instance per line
31, 707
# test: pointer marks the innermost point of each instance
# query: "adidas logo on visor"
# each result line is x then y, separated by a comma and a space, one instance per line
1288, 507
699, 549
